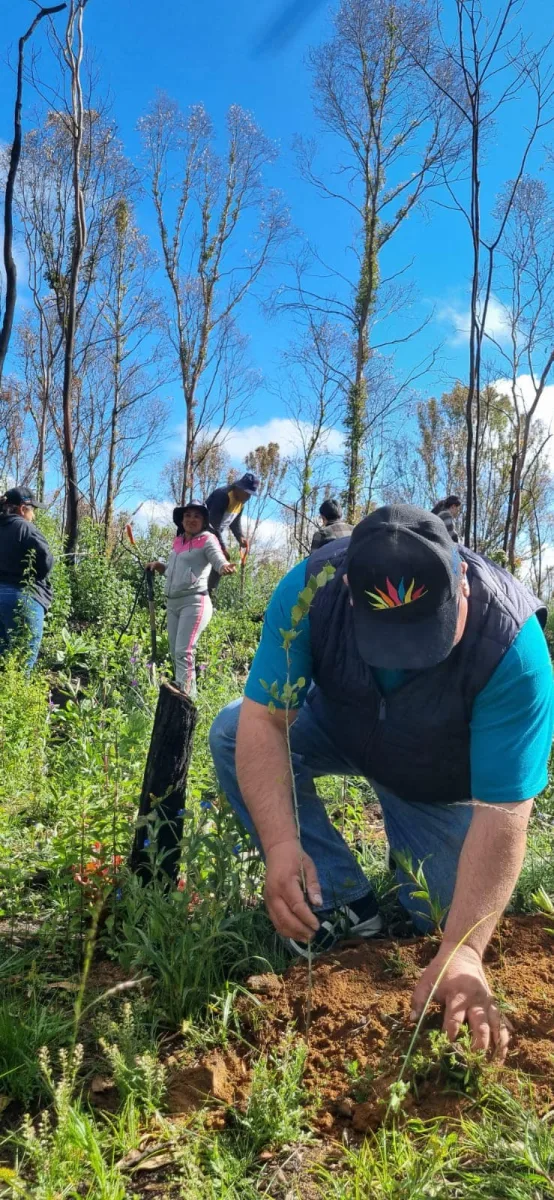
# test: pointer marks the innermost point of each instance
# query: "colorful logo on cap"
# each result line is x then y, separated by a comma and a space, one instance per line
395, 597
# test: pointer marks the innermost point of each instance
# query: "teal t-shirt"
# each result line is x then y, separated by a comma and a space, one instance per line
513, 716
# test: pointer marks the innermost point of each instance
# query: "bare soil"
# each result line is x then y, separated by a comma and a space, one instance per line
360, 1002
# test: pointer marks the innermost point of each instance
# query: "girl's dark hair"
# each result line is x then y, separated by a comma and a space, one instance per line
446, 503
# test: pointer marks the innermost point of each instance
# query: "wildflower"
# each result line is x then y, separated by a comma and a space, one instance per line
237, 849
205, 804
146, 842
181, 812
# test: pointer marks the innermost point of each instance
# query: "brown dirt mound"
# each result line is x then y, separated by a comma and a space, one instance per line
359, 1015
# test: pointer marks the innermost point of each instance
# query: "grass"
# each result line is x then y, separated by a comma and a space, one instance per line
88, 712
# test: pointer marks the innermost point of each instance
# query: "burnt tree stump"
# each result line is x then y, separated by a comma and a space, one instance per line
164, 787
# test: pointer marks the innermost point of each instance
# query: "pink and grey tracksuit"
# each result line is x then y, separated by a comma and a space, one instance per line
189, 608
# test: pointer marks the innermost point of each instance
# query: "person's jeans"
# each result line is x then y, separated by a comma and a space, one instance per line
20, 616
432, 834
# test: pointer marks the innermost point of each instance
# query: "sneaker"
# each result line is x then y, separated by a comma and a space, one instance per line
361, 919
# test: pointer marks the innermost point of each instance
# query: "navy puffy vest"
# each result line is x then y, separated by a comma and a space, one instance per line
415, 741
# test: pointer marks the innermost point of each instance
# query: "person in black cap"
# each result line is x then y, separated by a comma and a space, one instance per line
25, 565
196, 552
225, 507
423, 668
332, 525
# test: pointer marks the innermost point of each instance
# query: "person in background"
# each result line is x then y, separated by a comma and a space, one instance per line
449, 510
225, 507
333, 526
196, 552
25, 565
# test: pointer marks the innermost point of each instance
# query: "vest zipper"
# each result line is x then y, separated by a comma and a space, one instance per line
382, 709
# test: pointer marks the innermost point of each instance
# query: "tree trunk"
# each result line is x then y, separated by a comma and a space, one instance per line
164, 788
509, 509
15, 155
80, 239
41, 453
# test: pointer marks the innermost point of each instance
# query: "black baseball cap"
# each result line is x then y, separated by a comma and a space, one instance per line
404, 574
22, 495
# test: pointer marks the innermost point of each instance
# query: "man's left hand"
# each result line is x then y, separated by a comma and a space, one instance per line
466, 996
244, 543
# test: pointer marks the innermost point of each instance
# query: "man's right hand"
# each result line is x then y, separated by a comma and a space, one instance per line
286, 866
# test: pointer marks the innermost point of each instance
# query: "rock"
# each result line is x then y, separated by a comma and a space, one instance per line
268, 985
191, 1087
345, 1108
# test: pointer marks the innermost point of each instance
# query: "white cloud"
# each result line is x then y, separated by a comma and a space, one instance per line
271, 535
153, 512
284, 431
525, 394
497, 325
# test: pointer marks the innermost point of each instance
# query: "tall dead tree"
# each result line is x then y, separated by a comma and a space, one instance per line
73, 48
394, 135
14, 159
526, 288
219, 227
483, 70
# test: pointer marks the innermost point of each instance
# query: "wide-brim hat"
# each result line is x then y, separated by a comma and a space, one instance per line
197, 505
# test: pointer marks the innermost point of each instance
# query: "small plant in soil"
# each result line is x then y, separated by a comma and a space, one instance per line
361, 1081
275, 1113
395, 964
454, 1065
431, 910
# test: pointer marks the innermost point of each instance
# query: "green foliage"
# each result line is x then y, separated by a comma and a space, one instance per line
24, 729
99, 596
70, 1154
24, 1031
135, 1068
275, 1113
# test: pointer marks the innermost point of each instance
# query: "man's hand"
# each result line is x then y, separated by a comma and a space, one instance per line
244, 544
466, 996
284, 894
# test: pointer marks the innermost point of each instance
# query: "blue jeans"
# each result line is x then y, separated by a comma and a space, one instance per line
428, 833
20, 615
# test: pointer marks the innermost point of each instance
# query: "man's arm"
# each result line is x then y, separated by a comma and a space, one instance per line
216, 505
488, 870
264, 777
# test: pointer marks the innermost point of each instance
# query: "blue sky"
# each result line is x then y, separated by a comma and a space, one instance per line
206, 52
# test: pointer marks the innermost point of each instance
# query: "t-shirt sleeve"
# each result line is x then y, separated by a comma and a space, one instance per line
270, 660
512, 723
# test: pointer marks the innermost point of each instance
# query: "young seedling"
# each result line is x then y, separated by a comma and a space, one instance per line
288, 698
436, 912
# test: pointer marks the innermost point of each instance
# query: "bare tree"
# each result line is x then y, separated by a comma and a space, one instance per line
314, 400
219, 228
486, 67
67, 216
131, 338
395, 136
271, 470
14, 159
526, 262
210, 466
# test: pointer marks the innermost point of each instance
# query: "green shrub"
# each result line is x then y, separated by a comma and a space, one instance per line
99, 596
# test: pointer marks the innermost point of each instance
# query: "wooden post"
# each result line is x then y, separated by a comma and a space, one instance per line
164, 786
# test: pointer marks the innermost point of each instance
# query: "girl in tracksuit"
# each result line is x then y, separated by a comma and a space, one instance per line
196, 552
